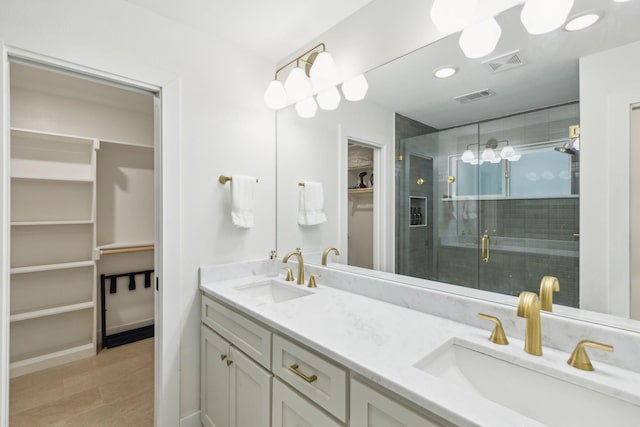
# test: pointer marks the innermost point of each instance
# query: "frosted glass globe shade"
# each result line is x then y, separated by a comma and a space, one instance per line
275, 96
297, 85
450, 16
324, 72
356, 88
467, 156
480, 39
488, 154
329, 99
306, 108
544, 16
507, 152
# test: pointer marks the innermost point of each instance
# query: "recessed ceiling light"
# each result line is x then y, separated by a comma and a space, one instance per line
621, 1
444, 72
583, 21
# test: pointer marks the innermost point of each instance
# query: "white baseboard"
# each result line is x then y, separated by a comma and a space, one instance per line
192, 420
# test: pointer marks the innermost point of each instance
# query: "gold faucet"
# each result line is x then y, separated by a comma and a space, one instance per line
326, 252
497, 336
529, 308
298, 255
580, 359
548, 285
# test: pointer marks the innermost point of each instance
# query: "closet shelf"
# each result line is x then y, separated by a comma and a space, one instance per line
360, 190
18, 317
51, 179
51, 267
28, 363
32, 223
46, 135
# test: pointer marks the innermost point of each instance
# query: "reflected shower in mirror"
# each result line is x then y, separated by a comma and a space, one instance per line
479, 180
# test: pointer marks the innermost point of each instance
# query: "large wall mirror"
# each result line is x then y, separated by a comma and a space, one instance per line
477, 181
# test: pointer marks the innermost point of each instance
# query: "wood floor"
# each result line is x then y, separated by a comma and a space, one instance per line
114, 388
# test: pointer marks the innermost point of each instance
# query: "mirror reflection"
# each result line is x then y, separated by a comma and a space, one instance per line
476, 176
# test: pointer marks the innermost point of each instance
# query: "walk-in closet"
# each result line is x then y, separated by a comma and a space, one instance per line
82, 247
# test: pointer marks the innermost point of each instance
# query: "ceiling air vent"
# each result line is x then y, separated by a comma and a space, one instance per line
504, 62
475, 96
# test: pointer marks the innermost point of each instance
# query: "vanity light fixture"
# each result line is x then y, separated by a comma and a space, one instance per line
480, 39
444, 72
450, 16
582, 21
489, 153
356, 88
314, 74
544, 16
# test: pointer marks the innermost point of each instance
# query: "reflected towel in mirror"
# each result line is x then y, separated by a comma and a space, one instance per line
242, 200
311, 204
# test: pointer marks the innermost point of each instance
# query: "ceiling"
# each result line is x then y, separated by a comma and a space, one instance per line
549, 76
272, 29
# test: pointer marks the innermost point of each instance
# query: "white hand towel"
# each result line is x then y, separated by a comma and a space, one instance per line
242, 200
311, 204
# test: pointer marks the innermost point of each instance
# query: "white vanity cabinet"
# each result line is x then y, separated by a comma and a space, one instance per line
235, 391
370, 408
290, 409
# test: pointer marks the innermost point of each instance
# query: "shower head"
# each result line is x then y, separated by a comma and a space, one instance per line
566, 148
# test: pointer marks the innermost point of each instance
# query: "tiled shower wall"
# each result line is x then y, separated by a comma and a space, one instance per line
512, 271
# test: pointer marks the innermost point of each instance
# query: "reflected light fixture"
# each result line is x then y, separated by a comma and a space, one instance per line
583, 21
489, 153
314, 74
444, 72
450, 16
480, 39
544, 16
356, 88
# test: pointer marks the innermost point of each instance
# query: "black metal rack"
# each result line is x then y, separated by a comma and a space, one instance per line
125, 337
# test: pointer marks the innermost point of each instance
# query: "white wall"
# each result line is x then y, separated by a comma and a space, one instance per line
224, 128
609, 86
635, 211
316, 150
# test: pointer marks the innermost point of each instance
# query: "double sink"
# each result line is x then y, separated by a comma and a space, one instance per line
543, 389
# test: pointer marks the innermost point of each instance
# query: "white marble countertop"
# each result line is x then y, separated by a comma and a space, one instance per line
382, 342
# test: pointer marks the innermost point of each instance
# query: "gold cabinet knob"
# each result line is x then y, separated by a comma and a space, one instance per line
420, 181
497, 336
451, 179
229, 362
223, 356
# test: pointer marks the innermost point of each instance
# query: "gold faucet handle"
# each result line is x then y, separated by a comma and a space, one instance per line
580, 359
548, 285
289, 274
312, 281
497, 336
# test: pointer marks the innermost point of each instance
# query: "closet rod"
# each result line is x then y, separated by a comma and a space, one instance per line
127, 250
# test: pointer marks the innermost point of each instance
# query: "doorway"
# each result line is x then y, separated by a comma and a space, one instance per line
82, 208
360, 193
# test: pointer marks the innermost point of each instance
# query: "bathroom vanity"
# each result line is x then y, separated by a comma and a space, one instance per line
280, 354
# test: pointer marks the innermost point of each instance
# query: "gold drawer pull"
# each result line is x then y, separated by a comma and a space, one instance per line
294, 368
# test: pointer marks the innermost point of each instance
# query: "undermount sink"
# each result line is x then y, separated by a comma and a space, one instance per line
270, 292
539, 396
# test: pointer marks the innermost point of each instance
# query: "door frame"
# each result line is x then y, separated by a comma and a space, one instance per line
380, 195
167, 217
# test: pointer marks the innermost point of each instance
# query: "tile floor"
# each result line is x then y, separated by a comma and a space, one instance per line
114, 388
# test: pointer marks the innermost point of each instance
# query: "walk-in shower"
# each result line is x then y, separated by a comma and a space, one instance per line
499, 202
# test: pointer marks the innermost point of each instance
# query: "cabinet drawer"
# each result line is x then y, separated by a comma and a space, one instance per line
246, 335
325, 383
292, 410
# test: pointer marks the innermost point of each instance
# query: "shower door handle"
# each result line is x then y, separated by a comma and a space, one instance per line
486, 247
